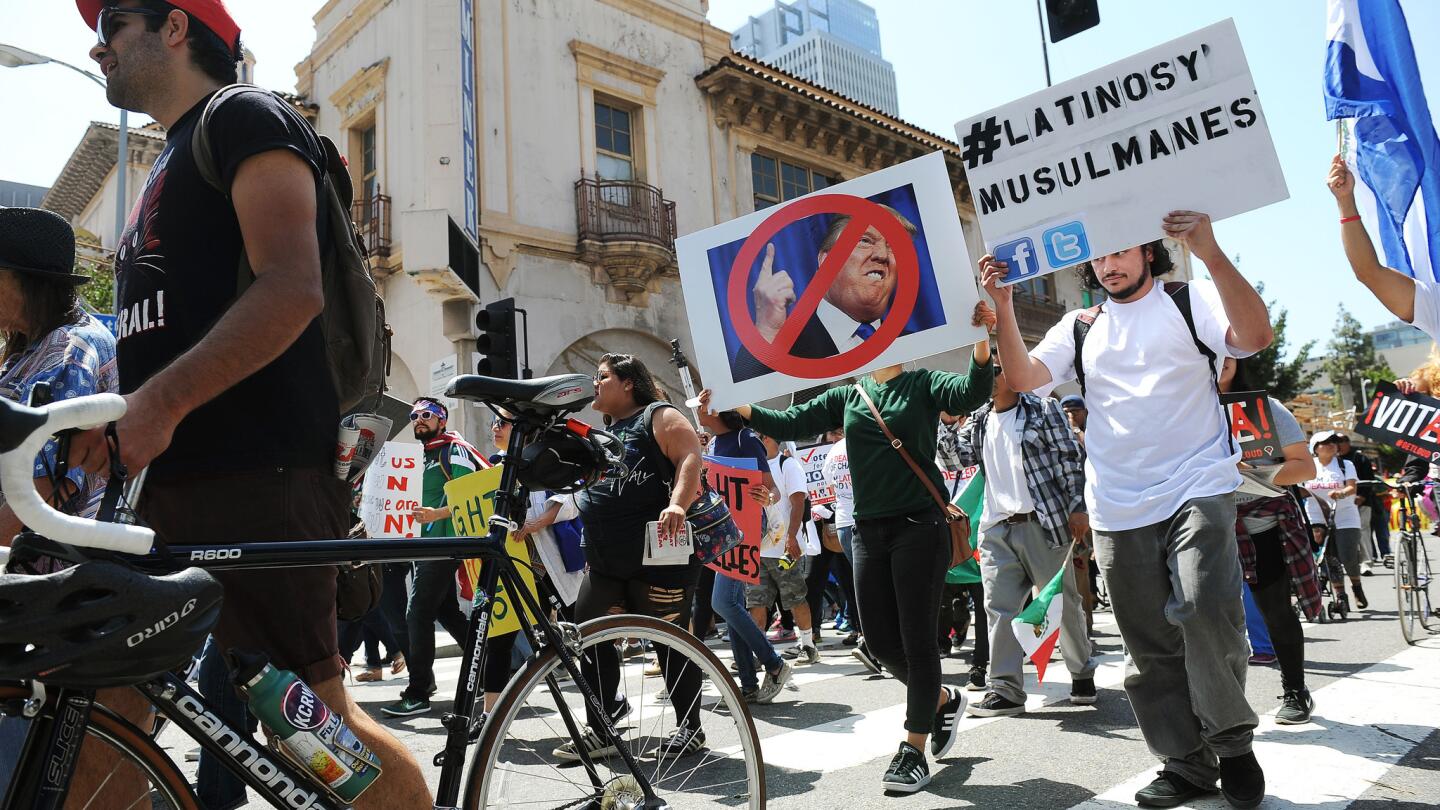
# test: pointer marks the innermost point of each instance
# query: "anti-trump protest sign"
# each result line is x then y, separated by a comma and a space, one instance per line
734, 484
1409, 422
472, 502
1091, 166
391, 490
1252, 426
862, 275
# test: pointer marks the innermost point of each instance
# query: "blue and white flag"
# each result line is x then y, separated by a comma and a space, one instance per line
1371, 78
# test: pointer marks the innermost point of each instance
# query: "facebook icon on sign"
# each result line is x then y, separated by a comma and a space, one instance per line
1021, 258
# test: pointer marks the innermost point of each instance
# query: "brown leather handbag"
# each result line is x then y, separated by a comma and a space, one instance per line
955, 517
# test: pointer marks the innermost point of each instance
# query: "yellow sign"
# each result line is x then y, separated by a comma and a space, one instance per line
472, 502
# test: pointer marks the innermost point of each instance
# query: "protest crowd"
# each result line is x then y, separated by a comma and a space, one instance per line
895, 517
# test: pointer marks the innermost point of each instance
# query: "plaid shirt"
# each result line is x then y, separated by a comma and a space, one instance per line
1295, 539
1052, 459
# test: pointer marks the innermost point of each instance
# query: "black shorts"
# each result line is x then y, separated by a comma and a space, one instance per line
287, 613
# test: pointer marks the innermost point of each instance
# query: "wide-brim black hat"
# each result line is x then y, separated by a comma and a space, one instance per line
38, 243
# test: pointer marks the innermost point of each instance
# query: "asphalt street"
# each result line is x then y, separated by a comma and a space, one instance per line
1373, 741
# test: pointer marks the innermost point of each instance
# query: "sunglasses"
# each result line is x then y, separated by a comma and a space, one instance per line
106, 24
416, 416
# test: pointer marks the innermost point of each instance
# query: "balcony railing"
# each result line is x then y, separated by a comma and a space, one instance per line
372, 220
1036, 315
623, 211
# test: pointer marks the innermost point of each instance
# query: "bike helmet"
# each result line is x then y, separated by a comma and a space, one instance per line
99, 624
569, 457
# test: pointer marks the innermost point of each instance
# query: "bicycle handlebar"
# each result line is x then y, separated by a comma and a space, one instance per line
17, 479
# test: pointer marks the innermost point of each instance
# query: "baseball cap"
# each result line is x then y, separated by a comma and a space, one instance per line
212, 13
1325, 437
1073, 401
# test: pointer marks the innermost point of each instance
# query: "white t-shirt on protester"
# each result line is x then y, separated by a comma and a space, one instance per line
790, 477
1328, 478
1427, 308
1156, 436
836, 471
1007, 492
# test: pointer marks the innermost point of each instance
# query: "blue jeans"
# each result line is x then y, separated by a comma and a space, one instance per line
1255, 625
747, 641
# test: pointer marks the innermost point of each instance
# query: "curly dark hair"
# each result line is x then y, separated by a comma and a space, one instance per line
207, 51
1160, 263
629, 368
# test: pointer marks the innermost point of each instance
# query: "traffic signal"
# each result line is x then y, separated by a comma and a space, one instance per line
1066, 18
497, 340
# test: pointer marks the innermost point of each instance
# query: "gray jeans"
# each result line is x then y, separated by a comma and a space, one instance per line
1175, 591
1013, 559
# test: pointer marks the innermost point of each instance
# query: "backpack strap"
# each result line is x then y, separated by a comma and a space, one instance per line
1179, 292
1084, 319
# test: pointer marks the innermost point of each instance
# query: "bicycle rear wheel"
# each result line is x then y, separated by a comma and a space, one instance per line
121, 768
1424, 610
517, 764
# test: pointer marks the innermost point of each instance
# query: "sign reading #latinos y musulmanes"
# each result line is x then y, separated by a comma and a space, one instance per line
1407, 422
1091, 166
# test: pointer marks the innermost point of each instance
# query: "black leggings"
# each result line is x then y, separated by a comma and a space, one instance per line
820, 567
1272, 595
900, 565
601, 595
702, 618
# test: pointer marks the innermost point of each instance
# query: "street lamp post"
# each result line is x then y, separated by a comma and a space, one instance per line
11, 56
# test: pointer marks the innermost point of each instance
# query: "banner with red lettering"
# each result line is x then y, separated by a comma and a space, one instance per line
1408, 422
813, 458
392, 490
1253, 426
743, 561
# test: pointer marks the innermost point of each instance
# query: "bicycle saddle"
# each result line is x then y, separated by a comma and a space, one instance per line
545, 396
100, 624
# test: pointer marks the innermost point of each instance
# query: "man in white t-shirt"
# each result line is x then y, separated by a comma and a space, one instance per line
785, 555
1160, 474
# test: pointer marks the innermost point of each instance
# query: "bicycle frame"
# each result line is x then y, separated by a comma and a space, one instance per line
52, 740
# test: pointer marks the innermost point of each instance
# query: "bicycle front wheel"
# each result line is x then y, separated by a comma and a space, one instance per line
1406, 597
121, 767
527, 756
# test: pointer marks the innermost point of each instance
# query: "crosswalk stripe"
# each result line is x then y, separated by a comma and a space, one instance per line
1363, 725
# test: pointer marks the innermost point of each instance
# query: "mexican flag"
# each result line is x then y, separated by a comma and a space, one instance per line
971, 498
1037, 628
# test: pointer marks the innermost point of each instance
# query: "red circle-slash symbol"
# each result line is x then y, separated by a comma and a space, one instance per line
863, 214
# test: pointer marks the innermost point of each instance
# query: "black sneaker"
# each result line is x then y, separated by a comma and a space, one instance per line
851, 639
594, 747
1082, 692
1242, 781
942, 731
995, 706
682, 742
1169, 790
1295, 708
908, 771
976, 680
406, 706
862, 654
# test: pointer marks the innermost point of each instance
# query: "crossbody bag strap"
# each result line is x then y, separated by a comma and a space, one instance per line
900, 448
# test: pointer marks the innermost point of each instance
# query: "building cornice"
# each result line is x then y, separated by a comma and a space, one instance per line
750, 94
341, 34
93, 161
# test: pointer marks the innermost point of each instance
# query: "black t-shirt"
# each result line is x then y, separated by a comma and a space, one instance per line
177, 268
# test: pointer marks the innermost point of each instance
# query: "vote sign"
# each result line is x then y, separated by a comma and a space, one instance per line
1409, 422
1252, 426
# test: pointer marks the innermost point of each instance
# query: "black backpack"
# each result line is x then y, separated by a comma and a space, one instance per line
357, 339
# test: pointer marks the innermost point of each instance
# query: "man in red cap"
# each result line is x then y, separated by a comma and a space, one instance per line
231, 407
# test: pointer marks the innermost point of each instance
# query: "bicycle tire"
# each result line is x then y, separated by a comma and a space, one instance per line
1424, 610
134, 746
609, 629
1404, 585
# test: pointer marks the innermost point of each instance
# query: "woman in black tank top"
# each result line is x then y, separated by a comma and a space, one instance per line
662, 455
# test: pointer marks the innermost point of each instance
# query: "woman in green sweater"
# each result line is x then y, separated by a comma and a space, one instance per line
902, 544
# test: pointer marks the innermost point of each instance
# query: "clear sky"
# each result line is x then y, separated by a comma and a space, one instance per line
953, 58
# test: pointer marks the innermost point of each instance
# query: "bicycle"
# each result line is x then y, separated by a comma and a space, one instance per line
513, 763
1412, 568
